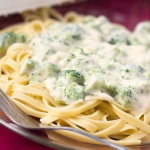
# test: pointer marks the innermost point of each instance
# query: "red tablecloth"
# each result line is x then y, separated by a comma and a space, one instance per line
11, 141
126, 12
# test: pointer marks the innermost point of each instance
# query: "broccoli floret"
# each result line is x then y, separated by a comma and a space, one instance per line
127, 95
115, 40
119, 37
69, 87
76, 37
112, 90
72, 76
7, 39
74, 92
70, 93
44, 71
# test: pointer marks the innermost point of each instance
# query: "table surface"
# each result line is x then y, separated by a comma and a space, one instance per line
126, 12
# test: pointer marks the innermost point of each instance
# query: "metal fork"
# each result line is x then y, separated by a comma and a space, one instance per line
22, 120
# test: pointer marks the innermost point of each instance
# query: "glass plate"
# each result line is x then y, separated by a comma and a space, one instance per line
127, 13
56, 140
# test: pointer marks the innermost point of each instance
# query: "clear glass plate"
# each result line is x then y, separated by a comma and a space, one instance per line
56, 140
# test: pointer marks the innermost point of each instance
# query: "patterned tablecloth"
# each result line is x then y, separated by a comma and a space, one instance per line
126, 12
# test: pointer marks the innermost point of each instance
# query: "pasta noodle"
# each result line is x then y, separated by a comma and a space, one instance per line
99, 116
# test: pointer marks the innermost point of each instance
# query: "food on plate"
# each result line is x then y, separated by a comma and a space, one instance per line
84, 72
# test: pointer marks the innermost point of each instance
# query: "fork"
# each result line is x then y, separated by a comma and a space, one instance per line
23, 120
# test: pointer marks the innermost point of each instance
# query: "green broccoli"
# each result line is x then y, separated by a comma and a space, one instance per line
69, 87
71, 33
44, 71
74, 92
70, 93
7, 39
127, 95
76, 37
119, 38
112, 90
72, 76
115, 40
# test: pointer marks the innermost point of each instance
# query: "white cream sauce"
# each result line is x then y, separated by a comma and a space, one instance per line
106, 56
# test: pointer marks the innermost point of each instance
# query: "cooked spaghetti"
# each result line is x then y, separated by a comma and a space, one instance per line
80, 71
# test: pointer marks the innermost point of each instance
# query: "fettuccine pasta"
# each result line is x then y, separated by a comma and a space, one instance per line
79, 71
